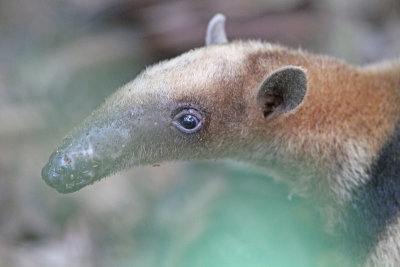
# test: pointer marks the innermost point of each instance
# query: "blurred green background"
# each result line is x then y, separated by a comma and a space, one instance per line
59, 59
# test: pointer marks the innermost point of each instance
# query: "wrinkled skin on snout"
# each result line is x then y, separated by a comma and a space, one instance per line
106, 141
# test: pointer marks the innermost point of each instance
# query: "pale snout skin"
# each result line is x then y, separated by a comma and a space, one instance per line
90, 152
111, 139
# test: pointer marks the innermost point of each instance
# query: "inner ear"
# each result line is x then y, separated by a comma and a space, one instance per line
283, 90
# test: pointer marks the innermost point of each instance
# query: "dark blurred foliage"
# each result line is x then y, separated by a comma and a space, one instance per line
60, 59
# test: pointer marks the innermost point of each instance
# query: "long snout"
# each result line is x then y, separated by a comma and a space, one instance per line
92, 151
73, 167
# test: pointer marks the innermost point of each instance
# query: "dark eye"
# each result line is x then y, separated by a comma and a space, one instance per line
188, 120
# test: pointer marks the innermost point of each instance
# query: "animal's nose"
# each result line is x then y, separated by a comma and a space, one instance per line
68, 174
56, 172
99, 146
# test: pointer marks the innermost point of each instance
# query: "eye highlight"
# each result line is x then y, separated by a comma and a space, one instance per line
188, 121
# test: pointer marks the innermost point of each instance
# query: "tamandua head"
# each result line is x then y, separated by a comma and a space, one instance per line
217, 101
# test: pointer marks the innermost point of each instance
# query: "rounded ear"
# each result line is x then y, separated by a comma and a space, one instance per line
283, 90
216, 30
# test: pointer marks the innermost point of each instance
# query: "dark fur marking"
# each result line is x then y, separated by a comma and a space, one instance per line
377, 204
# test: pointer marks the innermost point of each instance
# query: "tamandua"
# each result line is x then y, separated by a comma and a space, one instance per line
328, 129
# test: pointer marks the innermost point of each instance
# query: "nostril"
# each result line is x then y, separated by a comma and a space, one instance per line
67, 160
58, 166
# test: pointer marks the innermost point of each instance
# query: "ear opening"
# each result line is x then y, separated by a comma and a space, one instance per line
216, 30
283, 90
